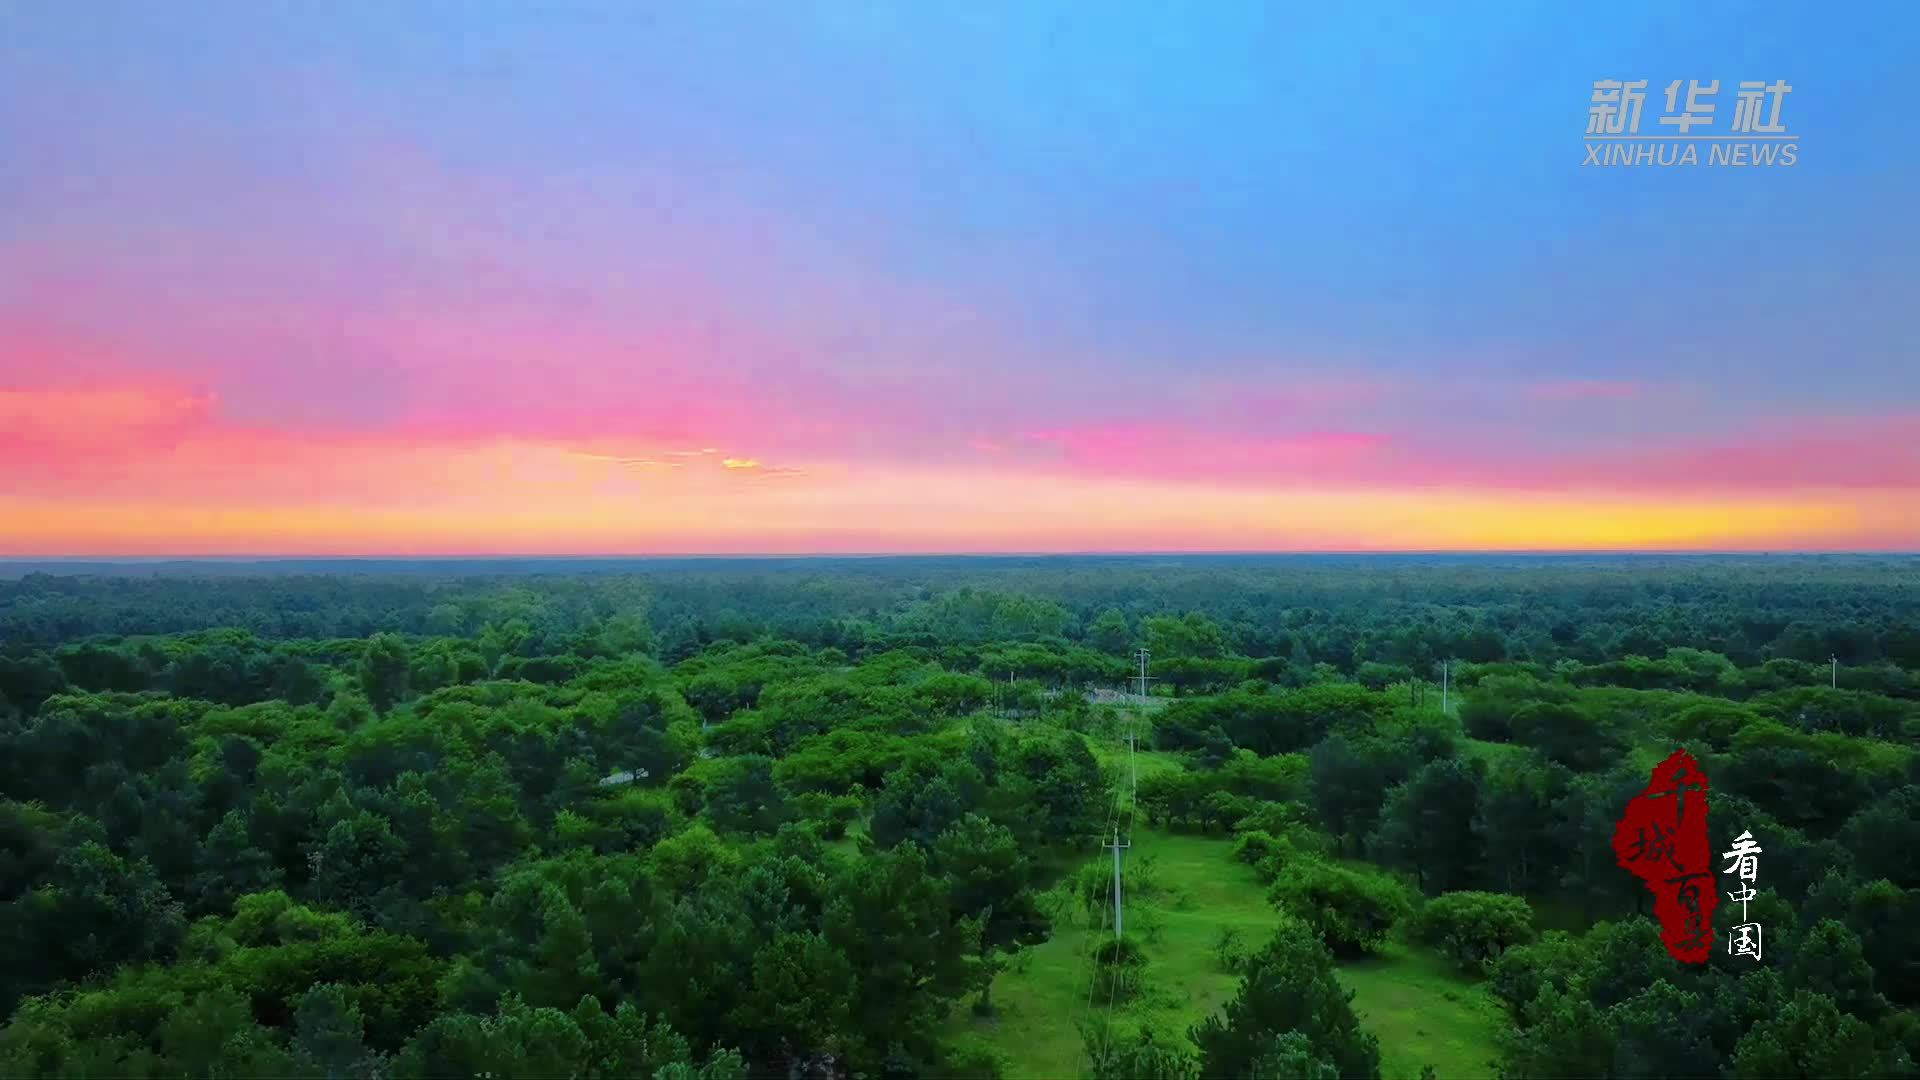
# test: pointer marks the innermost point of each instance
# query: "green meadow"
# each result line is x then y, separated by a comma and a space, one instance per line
1423, 1012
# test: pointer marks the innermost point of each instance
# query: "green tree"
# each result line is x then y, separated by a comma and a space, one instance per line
1567, 734
988, 877
1349, 777
1560, 1035
1147, 1056
1290, 986
1830, 961
1515, 824
444, 662
1472, 929
1884, 836
742, 797
1110, 633
799, 1001
1662, 1032
1426, 826
1189, 637
1292, 1057
98, 911
891, 918
230, 866
330, 1037
383, 671
1584, 817
1887, 918
1351, 910
519, 1041
1809, 1038
1556, 958
214, 1034
1627, 957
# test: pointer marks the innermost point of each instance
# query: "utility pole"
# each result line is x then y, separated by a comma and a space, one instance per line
1133, 771
1443, 687
1836, 671
1117, 847
1133, 723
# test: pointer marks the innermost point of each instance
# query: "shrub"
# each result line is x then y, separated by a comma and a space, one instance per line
1118, 966
1092, 886
1150, 1056
975, 1060
1351, 910
1488, 711
1230, 950
1269, 854
1269, 869
835, 813
1254, 846
1472, 929
1277, 818
1522, 971
1290, 1009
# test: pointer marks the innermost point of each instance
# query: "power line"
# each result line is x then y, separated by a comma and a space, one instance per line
1093, 977
1118, 910
1142, 655
1113, 961
1133, 726
1133, 770
1113, 829
1112, 825
1119, 896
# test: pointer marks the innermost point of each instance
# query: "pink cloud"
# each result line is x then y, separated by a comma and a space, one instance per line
1165, 451
1866, 452
76, 422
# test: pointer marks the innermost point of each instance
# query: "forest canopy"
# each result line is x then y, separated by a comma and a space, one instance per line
840, 817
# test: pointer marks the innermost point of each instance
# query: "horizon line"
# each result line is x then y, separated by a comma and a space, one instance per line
1011, 553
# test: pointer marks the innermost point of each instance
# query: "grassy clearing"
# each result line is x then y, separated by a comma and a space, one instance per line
1493, 753
1147, 762
1040, 1002
1423, 1012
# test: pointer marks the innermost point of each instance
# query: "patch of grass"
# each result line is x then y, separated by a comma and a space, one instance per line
1041, 1000
1422, 1011
1113, 756
848, 846
1493, 753
1644, 756
1113, 753
1036, 1002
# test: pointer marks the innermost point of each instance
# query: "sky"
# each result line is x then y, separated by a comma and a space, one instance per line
479, 277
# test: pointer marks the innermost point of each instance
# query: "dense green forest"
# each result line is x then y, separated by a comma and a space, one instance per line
850, 817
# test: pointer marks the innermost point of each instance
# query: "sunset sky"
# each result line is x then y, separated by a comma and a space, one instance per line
465, 277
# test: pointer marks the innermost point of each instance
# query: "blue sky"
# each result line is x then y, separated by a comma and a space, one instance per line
885, 232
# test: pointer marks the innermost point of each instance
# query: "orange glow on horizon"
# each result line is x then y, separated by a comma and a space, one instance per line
142, 471
546, 505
